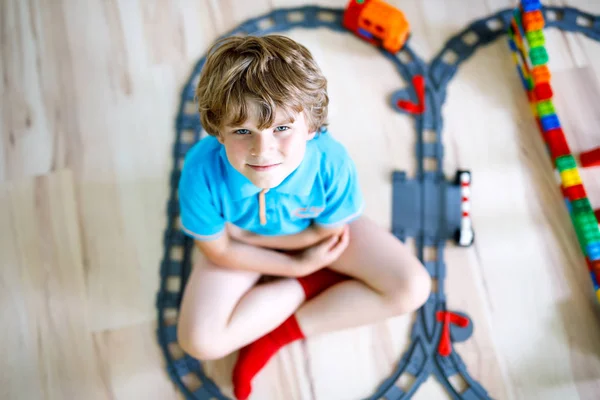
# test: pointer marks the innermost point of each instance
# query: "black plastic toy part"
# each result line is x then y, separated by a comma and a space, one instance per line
426, 207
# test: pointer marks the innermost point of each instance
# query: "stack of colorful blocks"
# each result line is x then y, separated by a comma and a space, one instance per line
526, 40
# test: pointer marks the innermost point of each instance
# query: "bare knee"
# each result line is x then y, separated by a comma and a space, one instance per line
412, 292
203, 346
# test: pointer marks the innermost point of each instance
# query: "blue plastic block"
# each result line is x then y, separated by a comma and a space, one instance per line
550, 122
531, 5
593, 251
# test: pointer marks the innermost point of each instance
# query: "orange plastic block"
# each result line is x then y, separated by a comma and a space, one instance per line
541, 74
533, 21
590, 158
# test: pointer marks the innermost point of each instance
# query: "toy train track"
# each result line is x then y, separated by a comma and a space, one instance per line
441, 206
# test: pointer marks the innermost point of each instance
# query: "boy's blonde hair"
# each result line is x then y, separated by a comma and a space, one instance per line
273, 71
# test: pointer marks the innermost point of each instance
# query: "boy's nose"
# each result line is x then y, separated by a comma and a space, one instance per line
262, 144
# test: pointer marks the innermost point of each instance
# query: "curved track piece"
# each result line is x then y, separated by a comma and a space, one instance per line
435, 328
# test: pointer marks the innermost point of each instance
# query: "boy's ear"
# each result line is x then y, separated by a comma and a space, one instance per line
220, 138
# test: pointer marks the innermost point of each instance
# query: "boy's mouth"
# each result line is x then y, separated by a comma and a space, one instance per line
265, 167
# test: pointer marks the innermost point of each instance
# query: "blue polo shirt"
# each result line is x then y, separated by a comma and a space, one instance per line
323, 190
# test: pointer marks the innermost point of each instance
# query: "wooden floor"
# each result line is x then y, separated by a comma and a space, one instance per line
90, 91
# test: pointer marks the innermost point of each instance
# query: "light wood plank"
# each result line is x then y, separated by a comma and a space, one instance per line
52, 354
133, 363
95, 88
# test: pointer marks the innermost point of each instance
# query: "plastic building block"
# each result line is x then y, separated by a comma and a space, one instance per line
539, 55
543, 91
426, 207
535, 39
556, 143
590, 158
533, 21
585, 221
565, 162
541, 74
574, 192
544, 108
550, 122
530, 5
377, 22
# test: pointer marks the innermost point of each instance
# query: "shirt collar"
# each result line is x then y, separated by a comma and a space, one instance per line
300, 182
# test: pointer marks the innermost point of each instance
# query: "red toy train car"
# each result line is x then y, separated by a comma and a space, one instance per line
378, 23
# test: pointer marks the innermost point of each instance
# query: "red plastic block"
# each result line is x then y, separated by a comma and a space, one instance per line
597, 214
593, 266
590, 158
543, 91
557, 143
575, 192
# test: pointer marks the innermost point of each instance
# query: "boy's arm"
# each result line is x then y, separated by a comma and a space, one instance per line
298, 241
230, 253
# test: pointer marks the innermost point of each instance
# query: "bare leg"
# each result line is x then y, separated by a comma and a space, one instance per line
222, 310
389, 281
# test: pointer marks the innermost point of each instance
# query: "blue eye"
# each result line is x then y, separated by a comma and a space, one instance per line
282, 128
242, 132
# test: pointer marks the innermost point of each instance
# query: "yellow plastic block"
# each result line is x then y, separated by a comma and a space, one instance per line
570, 177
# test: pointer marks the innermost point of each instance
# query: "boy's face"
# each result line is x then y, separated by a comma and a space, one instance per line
266, 157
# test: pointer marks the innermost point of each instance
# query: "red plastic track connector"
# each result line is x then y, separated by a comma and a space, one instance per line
447, 318
590, 158
419, 84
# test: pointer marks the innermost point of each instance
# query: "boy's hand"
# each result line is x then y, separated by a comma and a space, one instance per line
323, 253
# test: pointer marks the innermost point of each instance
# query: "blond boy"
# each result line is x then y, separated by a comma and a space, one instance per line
270, 192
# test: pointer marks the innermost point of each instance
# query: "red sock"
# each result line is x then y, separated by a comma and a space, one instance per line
255, 356
320, 280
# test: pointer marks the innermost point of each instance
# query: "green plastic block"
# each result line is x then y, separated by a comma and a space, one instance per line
564, 163
590, 226
591, 237
535, 38
582, 206
583, 220
538, 55
545, 108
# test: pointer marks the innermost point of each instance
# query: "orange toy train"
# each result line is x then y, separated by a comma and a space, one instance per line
378, 23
